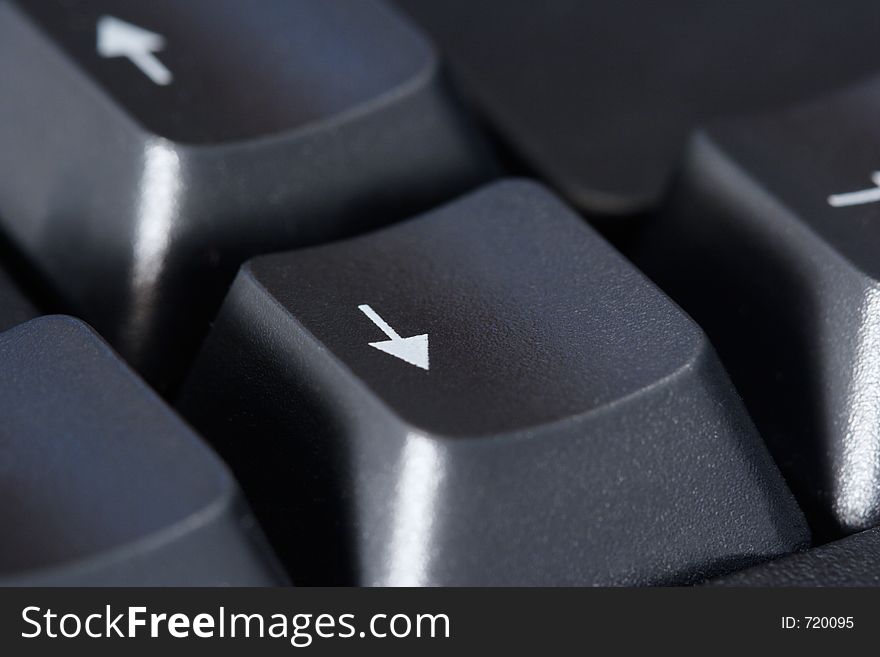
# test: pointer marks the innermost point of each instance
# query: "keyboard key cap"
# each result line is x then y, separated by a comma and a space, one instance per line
599, 97
487, 394
102, 483
151, 147
851, 561
771, 242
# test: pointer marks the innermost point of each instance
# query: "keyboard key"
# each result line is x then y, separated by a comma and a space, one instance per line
771, 242
851, 561
151, 147
102, 483
599, 97
487, 394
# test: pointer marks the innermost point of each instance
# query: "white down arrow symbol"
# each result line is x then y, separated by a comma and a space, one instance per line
413, 350
116, 38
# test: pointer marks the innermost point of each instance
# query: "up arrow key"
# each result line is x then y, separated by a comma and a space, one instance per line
413, 350
116, 38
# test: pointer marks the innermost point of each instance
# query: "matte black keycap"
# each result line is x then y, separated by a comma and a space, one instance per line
599, 96
151, 147
772, 242
487, 394
851, 561
102, 483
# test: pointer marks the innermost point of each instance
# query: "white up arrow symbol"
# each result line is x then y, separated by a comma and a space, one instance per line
116, 38
413, 350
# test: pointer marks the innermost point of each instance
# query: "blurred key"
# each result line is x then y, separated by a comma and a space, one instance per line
772, 242
599, 96
851, 561
150, 147
485, 395
102, 484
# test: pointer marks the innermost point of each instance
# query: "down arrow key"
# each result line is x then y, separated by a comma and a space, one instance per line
413, 350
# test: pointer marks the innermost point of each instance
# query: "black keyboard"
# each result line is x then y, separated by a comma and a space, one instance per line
423, 293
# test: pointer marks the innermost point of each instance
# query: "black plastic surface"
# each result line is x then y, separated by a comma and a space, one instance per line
754, 246
102, 483
138, 201
852, 561
239, 73
569, 425
599, 96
